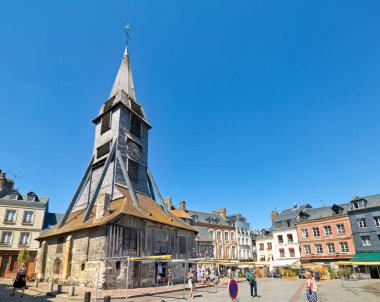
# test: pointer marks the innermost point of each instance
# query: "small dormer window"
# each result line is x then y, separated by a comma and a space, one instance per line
195, 218
358, 204
14, 196
31, 197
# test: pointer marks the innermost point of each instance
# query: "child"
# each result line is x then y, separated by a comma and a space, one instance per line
170, 278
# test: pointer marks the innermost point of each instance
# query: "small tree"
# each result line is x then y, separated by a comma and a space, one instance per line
23, 256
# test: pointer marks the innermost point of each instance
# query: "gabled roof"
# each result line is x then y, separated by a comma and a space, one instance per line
148, 209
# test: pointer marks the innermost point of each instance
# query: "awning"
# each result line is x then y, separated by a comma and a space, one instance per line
366, 257
368, 263
286, 263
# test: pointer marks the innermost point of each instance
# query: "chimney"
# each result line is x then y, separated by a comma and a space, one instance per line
182, 205
274, 215
223, 212
102, 205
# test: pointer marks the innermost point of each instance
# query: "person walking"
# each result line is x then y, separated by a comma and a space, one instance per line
20, 281
190, 277
317, 277
170, 277
311, 288
251, 278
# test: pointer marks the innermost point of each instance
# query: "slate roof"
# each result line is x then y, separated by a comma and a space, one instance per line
291, 213
322, 212
268, 231
148, 209
203, 216
203, 235
51, 219
24, 197
372, 201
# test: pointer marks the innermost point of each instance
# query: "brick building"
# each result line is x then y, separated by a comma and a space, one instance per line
325, 235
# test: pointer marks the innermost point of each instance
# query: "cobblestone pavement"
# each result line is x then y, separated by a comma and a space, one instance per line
268, 290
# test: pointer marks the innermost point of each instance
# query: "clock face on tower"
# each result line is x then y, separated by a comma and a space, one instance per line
133, 150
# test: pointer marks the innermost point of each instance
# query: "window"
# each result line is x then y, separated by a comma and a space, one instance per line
307, 249
366, 241
60, 243
28, 217
262, 258
280, 239
220, 254
282, 253
344, 247
232, 236
376, 221
227, 252
6, 238
133, 169
316, 232
305, 233
31, 198
269, 246
10, 216
290, 237
103, 149
130, 239
106, 122
331, 248
361, 222
225, 235
359, 204
195, 218
182, 245
318, 248
291, 252
261, 246
212, 233
24, 239
219, 235
57, 266
13, 265
13, 196
278, 224
340, 229
328, 231
288, 223
135, 125
234, 252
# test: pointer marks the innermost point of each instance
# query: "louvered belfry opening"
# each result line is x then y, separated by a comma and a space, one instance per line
136, 108
133, 170
135, 125
106, 122
103, 149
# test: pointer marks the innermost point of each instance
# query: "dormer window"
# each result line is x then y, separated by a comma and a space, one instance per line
31, 198
358, 204
14, 196
195, 218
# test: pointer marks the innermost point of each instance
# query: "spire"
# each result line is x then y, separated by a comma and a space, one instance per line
124, 79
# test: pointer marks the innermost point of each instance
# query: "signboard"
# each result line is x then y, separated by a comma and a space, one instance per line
233, 289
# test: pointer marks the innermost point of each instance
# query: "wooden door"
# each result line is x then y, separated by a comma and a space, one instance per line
136, 274
4, 265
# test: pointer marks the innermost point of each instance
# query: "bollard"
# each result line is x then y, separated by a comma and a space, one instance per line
51, 287
87, 297
59, 289
36, 283
107, 298
71, 291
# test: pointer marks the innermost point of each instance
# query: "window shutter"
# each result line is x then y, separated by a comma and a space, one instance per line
106, 122
103, 149
133, 169
135, 125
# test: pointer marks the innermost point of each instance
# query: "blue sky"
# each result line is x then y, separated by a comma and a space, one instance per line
254, 104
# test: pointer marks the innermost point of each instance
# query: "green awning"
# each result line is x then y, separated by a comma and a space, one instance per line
366, 257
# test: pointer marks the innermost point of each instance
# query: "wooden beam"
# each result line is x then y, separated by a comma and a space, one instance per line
80, 188
127, 180
150, 176
151, 189
98, 186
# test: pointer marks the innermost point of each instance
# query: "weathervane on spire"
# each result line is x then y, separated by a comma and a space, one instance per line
126, 29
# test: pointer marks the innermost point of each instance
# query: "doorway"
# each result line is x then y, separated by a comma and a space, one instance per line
4, 265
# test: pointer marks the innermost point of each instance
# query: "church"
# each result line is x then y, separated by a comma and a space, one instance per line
117, 210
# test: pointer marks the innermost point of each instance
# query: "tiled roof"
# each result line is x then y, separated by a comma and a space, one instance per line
180, 214
148, 209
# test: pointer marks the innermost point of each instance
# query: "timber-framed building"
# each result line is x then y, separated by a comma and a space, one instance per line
117, 210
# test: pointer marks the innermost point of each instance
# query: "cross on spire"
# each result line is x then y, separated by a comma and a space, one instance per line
126, 29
